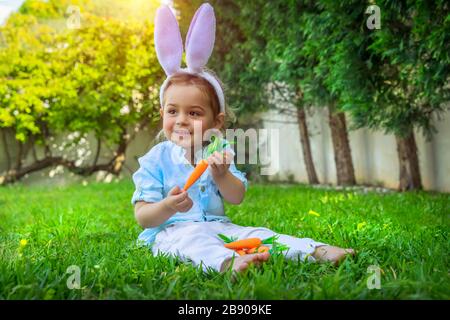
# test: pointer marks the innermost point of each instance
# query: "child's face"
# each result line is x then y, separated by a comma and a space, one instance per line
186, 108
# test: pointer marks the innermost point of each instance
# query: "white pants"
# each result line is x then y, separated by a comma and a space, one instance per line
197, 242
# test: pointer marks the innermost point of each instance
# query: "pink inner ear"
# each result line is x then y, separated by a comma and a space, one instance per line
193, 22
168, 42
200, 37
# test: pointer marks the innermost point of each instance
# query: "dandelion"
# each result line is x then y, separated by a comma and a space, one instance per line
313, 213
22, 244
361, 225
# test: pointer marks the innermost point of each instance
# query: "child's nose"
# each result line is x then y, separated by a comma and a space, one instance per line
182, 118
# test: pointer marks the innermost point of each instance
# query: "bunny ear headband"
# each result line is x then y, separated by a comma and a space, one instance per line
199, 46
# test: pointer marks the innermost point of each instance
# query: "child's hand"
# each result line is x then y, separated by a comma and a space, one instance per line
178, 200
219, 163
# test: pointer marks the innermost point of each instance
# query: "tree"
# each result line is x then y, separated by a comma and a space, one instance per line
396, 78
319, 43
281, 53
414, 45
244, 59
99, 78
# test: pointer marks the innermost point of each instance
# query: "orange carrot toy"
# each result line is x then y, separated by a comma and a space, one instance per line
252, 250
263, 249
244, 244
198, 171
216, 145
253, 245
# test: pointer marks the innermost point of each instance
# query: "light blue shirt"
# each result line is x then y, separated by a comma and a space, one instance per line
165, 167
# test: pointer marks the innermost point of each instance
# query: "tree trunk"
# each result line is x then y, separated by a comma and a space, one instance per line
408, 162
5, 145
306, 147
341, 146
119, 158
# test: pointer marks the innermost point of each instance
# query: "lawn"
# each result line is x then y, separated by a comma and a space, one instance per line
45, 230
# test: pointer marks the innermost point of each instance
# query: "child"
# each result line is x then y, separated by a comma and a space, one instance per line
186, 223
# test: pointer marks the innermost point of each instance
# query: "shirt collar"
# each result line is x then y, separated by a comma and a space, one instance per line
181, 152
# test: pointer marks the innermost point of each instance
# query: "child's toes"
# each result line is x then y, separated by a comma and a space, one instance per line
264, 256
243, 267
260, 258
350, 251
256, 259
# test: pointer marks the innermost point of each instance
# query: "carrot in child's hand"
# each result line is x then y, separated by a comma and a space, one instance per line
244, 243
198, 171
215, 145
241, 252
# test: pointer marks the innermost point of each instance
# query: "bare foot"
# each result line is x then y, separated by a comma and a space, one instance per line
331, 254
241, 263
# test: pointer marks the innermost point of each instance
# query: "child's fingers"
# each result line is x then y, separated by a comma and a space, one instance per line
185, 199
218, 162
228, 157
220, 158
185, 205
212, 160
175, 190
214, 166
225, 158
180, 197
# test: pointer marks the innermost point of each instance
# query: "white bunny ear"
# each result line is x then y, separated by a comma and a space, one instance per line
200, 38
168, 43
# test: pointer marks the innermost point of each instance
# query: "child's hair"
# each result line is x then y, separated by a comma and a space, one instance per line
206, 88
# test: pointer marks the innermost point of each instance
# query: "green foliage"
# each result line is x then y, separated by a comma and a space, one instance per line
411, 66
93, 227
216, 145
99, 78
394, 79
226, 239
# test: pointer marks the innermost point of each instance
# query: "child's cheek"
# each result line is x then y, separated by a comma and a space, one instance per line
168, 123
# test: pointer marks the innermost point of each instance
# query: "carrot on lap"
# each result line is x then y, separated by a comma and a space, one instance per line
252, 250
244, 243
263, 249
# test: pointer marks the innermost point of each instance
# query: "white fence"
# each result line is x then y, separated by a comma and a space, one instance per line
374, 153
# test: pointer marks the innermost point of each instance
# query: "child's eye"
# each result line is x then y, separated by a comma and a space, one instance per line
194, 113
172, 111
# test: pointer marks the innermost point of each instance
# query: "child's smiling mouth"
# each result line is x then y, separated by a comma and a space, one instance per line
182, 133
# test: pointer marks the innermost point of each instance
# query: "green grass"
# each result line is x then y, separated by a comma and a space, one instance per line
93, 227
